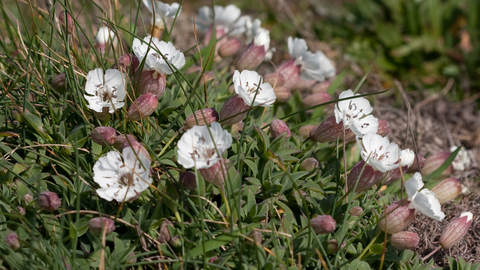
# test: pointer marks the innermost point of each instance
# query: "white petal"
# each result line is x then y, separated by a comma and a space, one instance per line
428, 204
413, 185
407, 157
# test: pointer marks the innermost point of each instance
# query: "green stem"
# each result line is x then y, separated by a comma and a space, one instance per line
224, 198
367, 248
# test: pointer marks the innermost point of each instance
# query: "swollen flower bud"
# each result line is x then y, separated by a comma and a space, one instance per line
363, 180
127, 63
447, 190
290, 72
275, 79
143, 107
321, 86
123, 139
188, 180
282, 93
329, 131
70, 25
303, 85
20, 210
383, 127
12, 241
164, 235
104, 135
434, 161
417, 164
455, 230
309, 164
250, 57
398, 217
215, 174
48, 201
356, 211
323, 224
278, 127
201, 118
229, 48
233, 111
404, 240
151, 82
58, 83
96, 225
315, 99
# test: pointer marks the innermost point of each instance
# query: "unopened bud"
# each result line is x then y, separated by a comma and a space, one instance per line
151, 82
188, 180
48, 201
233, 111
143, 107
309, 164
290, 72
275, 79
123, 139
164, 235
238, 127
66, 21
398, 217
305, 130
321, 86
447, 190
17, 113
329, 131
28, 198
332, 246
104, 135
12, 241
59, 83
257, 238
323, 224
303, 85
104, 36
127, 63
456, 230
201, 118
229, 48
97, 224
404, 240
363, 181
356, 211
417, 165
215, 174
250, 57
278, 127
207, 76
282, 93
21, 210
176, 241
315, 99
434, 161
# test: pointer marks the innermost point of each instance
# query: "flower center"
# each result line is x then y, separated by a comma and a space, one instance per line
159, 57
126, 177
252, 88
203, 151
105, 93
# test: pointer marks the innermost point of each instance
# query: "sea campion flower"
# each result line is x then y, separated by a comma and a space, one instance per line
404, 240
105, 90
197, 148
249, 86
462, 160
355, 114
423, 200
226, 18
161, 12
152, 49
456, 230
104, 36
122, 179
258, 35
378, 152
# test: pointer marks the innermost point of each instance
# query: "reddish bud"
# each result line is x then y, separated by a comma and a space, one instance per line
97, 224
282, 93
447, 190
151, 82
368, 178
143, 107
127, 63
383, 127
275, 79
404, 240
321, 86
201, 118
66, 19
59, 83
12, 241
229, 48
303, 85
233, 111
188, 180
315, 99
329, 131
104, 135
20, 210
164, 235
323, 224
28, 198
305, 130
219, 35
250, 57
456, 230
121, 140
434, 161
48, 201
309, 164
215, 174
417, 165
356, 211
399, 216
278, 127
290, 72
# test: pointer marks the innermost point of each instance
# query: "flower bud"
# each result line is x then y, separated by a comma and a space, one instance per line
282, 93
399, 216
434, 161
201, 118
104, 135
207, 76
332, 246
12, 241
257, 238
96, 225
238, 127
28, 198
70, 25
275, 79
17, 113
164, 235
329, 131
368, 178
417, 165
323, 224
309, 164
278, 127
447, 190
59, 83
48, 201
392, 176
455, 230
305, 130
123, 139
151, 82
290, 72
215, 174
104, 36
404, 240
250, 57
20, 210
127, 63
315, 99
383, 127
233, 111
356, 211
321, 86
143, 107
303, 84
176, 241
229, 48
188, 180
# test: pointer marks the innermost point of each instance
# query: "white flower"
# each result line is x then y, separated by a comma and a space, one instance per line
424, 200
197, 148
297, 47
122, 180
407, 157
378, 152
105, 35
227, 18
260, 36
154, 60
462, 160
246, 85
105, 90
354, 114
161, 11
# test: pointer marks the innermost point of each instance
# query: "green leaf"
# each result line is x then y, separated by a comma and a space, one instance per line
443, 167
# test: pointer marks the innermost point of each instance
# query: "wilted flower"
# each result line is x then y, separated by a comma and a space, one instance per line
462, 160
104, 135
257, 238
97, 224
404, 240
161, 12
226, 18
160, 56
105, 91
122, 180
127, 63
249, 86
197, 148
447, 190
164, 235
456, 229
278, 127
354, 113
323, 224
143, 106
48, 201
201, 118
59, 83
423, 200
